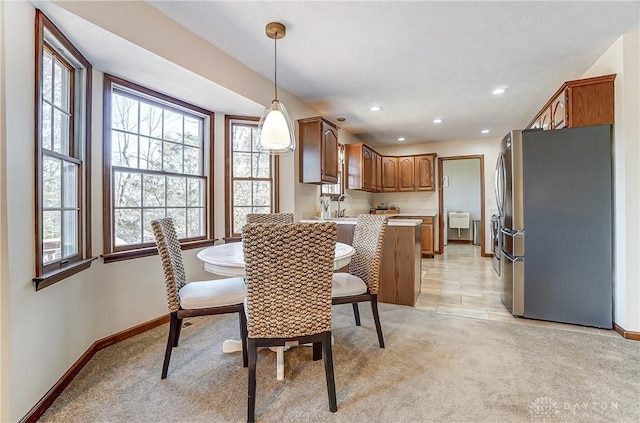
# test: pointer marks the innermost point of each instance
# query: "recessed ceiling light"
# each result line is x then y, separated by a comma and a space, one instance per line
500, 90
437, 120
401, 139
485, 131
376, 108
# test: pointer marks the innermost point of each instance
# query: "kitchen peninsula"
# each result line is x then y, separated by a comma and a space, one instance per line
401, 258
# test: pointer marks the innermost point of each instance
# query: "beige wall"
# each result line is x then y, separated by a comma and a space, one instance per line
623, 59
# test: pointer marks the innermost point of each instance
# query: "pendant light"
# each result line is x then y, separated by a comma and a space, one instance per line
275, 127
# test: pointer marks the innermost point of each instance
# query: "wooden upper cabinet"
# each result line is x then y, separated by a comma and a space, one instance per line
361, 164
389, 174
559, 111
425, 174
545, 119
582, 102
406, 173
318, 149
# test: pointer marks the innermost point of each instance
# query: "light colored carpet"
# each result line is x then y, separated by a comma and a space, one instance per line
435, 368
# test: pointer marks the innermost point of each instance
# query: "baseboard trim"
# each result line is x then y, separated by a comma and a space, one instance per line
460, 241
626, 334
45, 402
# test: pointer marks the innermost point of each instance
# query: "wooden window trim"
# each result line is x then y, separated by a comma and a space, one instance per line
114, 253
47, 275
228, 200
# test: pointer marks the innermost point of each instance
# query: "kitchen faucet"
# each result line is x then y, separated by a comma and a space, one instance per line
340, 213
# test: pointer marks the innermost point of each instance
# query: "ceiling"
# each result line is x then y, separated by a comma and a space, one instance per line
419, 60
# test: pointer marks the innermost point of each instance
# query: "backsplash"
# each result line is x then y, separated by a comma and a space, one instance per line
409, 202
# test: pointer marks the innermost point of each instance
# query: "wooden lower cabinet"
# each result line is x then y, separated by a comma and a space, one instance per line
401, 271
427, 234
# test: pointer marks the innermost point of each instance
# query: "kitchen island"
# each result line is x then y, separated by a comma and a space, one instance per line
401, 267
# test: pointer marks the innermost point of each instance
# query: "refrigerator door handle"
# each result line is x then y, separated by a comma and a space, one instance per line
499, 190
512, 258
512, 232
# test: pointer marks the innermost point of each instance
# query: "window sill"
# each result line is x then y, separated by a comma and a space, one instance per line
57, 275
151, 251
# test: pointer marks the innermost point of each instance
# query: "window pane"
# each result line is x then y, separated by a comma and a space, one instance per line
193, 131
51, 231
195, 222
254, 138
179, 221
51, 182
262, 193
61, 86
47, 76
261, 165
60, 132
176, 189
262, 210
240, 218
192, 161
172, 157
195, 192
241, 165
150, 120
70, 236
153, 191
241, 138
149, 216
46, 126
242, 193
124, 150
150, 154
127, 189
128, 224
124, 113
70, 184
172, 126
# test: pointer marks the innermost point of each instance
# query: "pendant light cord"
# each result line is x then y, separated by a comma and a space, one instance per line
275, 64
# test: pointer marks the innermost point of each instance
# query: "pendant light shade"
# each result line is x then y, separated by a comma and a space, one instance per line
275, 129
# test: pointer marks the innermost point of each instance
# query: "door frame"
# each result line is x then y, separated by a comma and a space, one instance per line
441, 227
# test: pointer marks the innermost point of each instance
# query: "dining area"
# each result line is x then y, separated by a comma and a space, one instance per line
282, 281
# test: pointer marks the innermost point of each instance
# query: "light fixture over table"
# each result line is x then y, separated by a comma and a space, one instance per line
275, 127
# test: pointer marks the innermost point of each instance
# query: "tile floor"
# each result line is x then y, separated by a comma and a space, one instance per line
463, 283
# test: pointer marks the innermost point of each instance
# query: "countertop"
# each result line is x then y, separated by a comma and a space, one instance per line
353, 220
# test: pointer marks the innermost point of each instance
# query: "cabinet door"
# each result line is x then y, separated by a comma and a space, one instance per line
377, 174
535, 124
545, 119
558, 111
389, 174
425, 175
406, 174
368, 166
427, 236
329, 153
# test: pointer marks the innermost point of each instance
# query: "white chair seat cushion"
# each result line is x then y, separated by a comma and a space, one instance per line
213, 293
344, 284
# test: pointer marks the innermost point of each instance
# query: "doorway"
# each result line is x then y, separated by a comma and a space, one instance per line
468, 171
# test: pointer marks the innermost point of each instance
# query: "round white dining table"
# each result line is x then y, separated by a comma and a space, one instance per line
228, 260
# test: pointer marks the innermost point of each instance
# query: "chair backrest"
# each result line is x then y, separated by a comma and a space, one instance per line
288, 271
171, 256
368, 240
273, 218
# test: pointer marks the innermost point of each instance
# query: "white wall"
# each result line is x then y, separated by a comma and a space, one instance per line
462, 192
487, 147
623, 59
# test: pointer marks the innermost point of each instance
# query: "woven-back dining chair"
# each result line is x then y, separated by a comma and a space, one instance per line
362, 281
288, 276
191, 299
273, 218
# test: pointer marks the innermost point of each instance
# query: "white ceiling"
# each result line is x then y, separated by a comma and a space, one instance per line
419, 60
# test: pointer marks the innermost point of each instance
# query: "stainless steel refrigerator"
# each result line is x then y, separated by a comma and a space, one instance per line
554, 194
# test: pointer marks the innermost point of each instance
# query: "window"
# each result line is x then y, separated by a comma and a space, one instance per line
157, 164
251, 176
335, 190
63, 110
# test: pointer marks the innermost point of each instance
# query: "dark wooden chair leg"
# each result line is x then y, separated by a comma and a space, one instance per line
178, 330
356, 313
328, 369
243, 335
317, 351
173, 325
251, 395
376, 319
